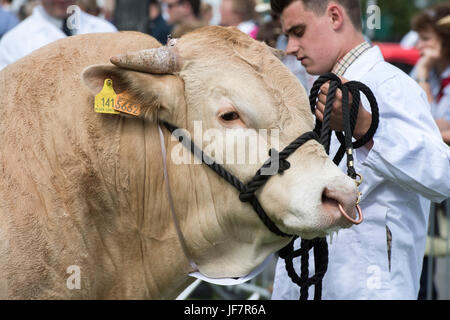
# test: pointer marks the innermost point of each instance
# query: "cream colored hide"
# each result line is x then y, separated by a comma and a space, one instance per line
83, 209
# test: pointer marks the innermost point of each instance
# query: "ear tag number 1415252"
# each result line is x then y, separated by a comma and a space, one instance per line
106, 99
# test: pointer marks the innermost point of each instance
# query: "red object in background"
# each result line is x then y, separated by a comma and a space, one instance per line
394, 53
445, 82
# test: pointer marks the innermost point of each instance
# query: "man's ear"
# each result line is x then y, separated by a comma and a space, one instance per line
152, 92
336, 15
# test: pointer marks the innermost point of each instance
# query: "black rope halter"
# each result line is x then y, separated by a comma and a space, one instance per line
247, 191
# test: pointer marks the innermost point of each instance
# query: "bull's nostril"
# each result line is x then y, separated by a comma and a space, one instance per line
326, 196
326, 200
333, 200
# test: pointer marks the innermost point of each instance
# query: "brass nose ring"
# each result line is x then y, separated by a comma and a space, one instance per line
357, 221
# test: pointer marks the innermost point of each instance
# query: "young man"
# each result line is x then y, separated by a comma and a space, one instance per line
404, 167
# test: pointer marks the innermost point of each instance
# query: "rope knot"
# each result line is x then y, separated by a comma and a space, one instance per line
246, 195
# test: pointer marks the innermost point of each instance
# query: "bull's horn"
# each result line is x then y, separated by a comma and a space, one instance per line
160, 60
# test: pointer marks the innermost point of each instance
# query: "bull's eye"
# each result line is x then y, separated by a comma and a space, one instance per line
230, 116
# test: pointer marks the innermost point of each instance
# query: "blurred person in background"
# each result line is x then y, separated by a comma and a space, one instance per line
48, 23
6, 4
240, 14
184, 16
26, 9
182, 11
206, 13
108, 9
90, 6
432, 72
8, 20
445, 125
158, 27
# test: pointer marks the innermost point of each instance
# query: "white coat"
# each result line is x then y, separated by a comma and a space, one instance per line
408, 166
40, 29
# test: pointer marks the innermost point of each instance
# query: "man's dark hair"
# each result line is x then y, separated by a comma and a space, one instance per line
352, 7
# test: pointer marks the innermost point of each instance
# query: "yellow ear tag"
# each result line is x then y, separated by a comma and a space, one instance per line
106, 99
126, 104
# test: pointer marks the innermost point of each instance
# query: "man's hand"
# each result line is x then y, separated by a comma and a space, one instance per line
337, 123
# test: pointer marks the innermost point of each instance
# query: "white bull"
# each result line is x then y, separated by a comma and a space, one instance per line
82, 191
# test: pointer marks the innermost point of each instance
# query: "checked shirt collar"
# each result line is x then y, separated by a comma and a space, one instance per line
341, 67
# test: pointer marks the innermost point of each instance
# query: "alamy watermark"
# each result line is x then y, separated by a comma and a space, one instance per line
373, 17
229, 146
73, 282
373, 21
74, 18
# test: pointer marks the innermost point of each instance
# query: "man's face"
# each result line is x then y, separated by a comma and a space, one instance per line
57, 8
311, 38
176, 10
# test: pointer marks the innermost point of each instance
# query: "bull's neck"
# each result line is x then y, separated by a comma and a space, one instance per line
139, 238
159, 258
129, 247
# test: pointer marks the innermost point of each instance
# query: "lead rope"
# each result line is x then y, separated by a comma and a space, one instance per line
350, 115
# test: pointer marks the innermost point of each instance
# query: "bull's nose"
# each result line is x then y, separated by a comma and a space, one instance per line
342, 200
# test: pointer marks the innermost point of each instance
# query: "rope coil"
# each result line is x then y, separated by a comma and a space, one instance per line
350, 116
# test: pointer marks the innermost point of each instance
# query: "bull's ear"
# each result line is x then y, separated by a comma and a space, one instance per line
153, 92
